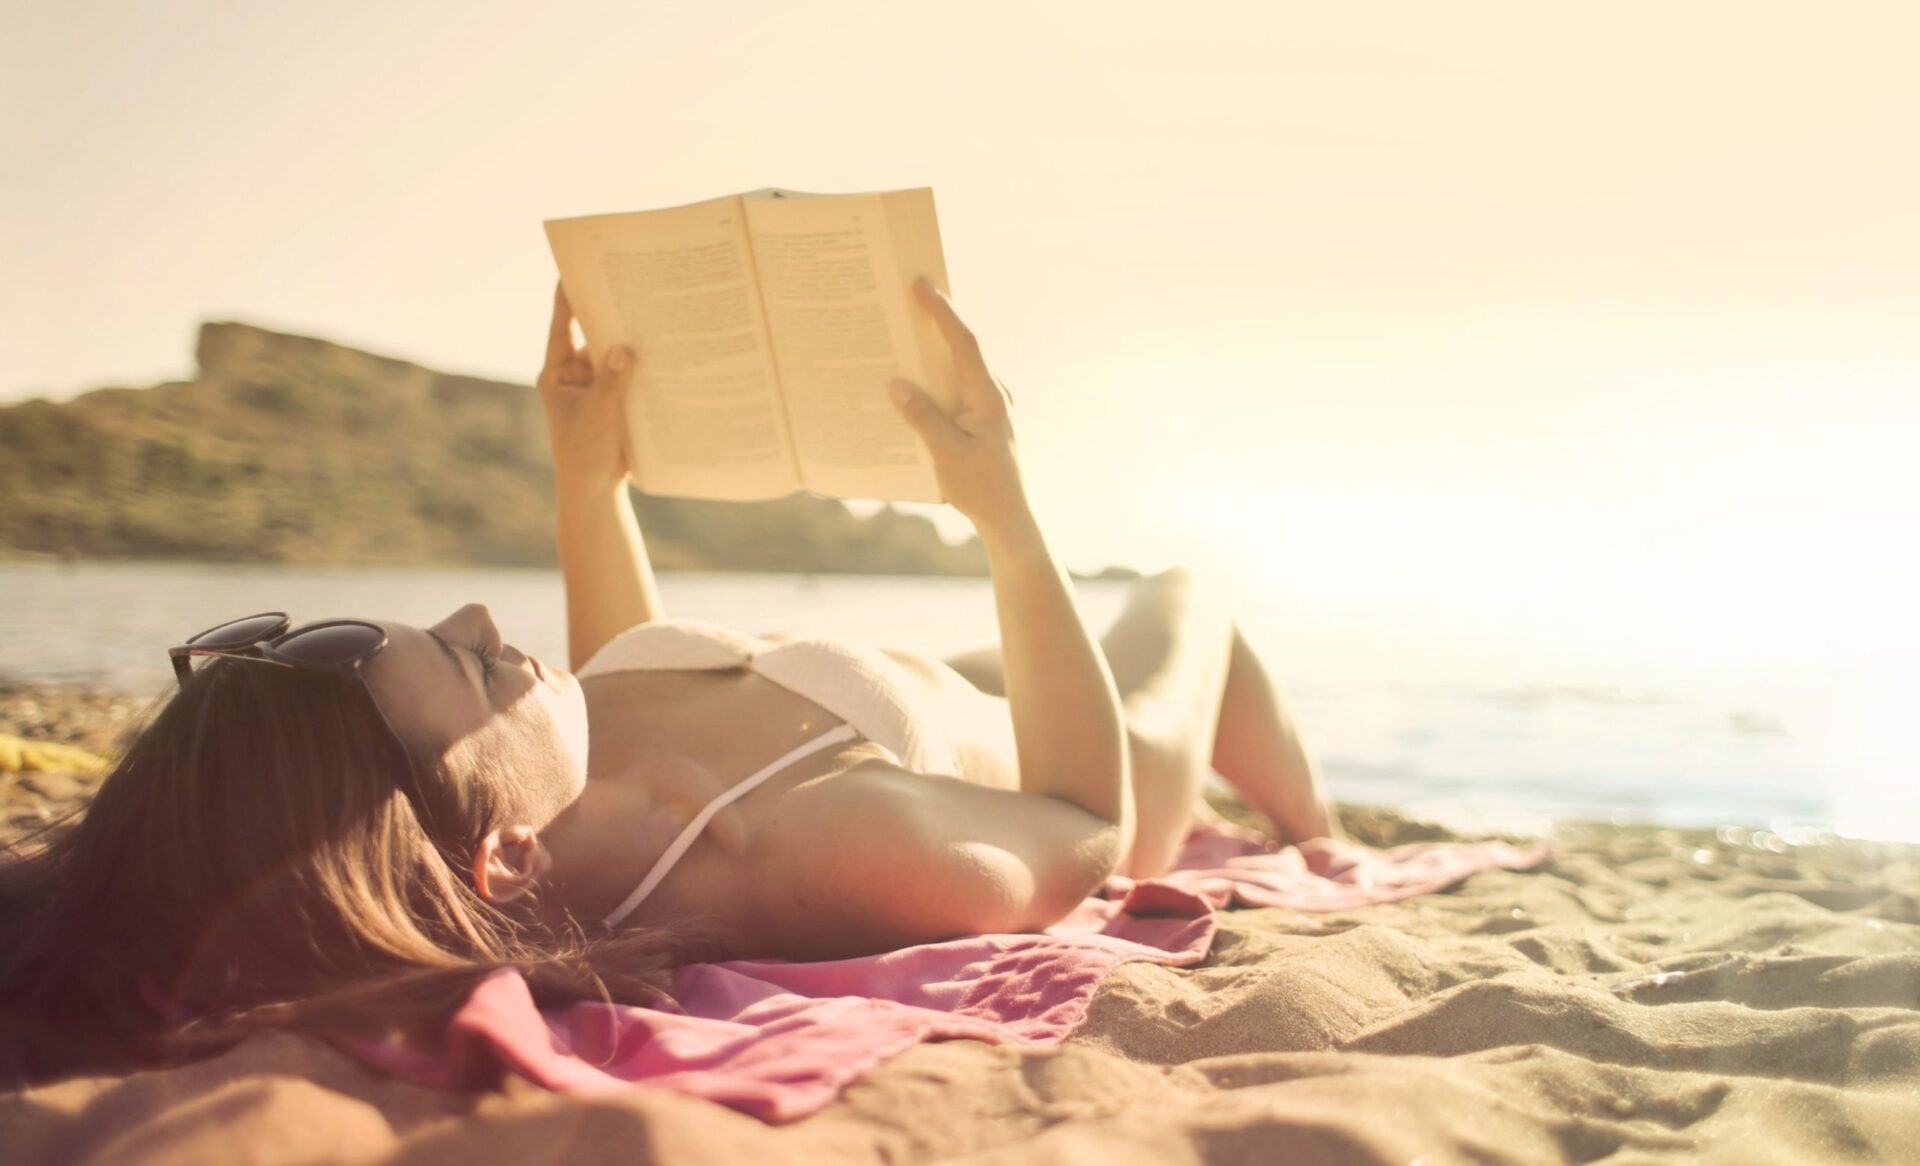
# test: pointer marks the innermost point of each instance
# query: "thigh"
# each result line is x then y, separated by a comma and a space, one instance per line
1169, 649
1158, 644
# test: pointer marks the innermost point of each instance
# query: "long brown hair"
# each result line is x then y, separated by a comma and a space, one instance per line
256, 860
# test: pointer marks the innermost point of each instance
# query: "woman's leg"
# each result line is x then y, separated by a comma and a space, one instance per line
1258, 750
1193, 694
1169, 651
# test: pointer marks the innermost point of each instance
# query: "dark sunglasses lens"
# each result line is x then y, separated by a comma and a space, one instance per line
331, 644
240, 632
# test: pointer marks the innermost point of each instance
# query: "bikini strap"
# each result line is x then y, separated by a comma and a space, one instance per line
700, 820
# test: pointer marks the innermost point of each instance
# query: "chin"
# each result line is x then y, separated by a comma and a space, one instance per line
573, 730
567, 707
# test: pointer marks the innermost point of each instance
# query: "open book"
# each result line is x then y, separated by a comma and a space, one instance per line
766, 326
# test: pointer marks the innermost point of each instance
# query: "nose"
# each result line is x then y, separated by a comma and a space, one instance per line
467, 612
514, 657
470, 621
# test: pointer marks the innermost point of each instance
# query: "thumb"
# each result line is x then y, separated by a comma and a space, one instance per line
615, 370
922, 414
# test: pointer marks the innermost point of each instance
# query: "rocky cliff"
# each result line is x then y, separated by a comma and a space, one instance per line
292, 449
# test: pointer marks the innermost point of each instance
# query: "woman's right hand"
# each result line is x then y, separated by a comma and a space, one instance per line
585, 407
973, 450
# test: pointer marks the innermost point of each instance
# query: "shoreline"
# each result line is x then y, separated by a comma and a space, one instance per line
1496, 735
97, 717
17, 557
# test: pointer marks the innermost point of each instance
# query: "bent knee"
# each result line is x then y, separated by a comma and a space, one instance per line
1174, 578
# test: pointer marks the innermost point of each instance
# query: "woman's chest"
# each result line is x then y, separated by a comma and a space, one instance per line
672, 744
678, 740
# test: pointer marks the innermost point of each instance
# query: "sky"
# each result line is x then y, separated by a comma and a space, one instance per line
1596, 323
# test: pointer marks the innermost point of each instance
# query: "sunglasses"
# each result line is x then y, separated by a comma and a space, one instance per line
335, 647
331, 647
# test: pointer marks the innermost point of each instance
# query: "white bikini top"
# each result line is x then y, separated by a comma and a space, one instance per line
866, 688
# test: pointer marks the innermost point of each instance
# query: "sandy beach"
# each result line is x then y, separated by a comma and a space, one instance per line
1650, 994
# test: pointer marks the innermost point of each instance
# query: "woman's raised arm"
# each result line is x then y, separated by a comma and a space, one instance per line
1067, 725
609, 580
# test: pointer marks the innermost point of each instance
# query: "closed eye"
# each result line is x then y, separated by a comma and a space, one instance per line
489, 659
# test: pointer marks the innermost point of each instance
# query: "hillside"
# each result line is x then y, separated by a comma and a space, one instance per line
297, 450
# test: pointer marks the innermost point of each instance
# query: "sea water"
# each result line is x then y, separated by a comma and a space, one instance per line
1448, 722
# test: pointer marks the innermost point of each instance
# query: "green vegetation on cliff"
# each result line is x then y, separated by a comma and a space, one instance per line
291, 449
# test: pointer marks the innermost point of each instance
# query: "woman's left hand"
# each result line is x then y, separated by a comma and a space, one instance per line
585, 407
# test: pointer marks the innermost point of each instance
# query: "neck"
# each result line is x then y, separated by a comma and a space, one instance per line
604, 844
587, 860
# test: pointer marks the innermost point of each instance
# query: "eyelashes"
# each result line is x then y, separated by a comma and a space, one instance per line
489, 659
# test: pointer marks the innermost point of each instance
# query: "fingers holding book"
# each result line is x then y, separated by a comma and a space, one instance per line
585, 406
973, 448
979, 388
565, 364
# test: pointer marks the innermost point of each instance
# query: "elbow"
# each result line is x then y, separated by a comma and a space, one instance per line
1097, 859
1102, 850
1115, 843
1125, 823
1124, 833
1100, 844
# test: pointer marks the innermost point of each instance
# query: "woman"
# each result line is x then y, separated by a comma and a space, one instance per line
344, 827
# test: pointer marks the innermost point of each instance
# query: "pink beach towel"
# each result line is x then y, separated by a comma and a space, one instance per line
779, 1040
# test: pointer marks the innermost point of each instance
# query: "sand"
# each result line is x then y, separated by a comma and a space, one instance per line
87, 717
1650, 995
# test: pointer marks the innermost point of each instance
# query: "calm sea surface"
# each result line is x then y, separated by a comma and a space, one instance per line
1404, 712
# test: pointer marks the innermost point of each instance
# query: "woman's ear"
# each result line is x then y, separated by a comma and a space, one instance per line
509, 863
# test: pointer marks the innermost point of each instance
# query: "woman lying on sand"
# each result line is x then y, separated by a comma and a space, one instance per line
350, 823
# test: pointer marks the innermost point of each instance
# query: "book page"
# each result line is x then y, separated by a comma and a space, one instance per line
837, 292
704, 414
